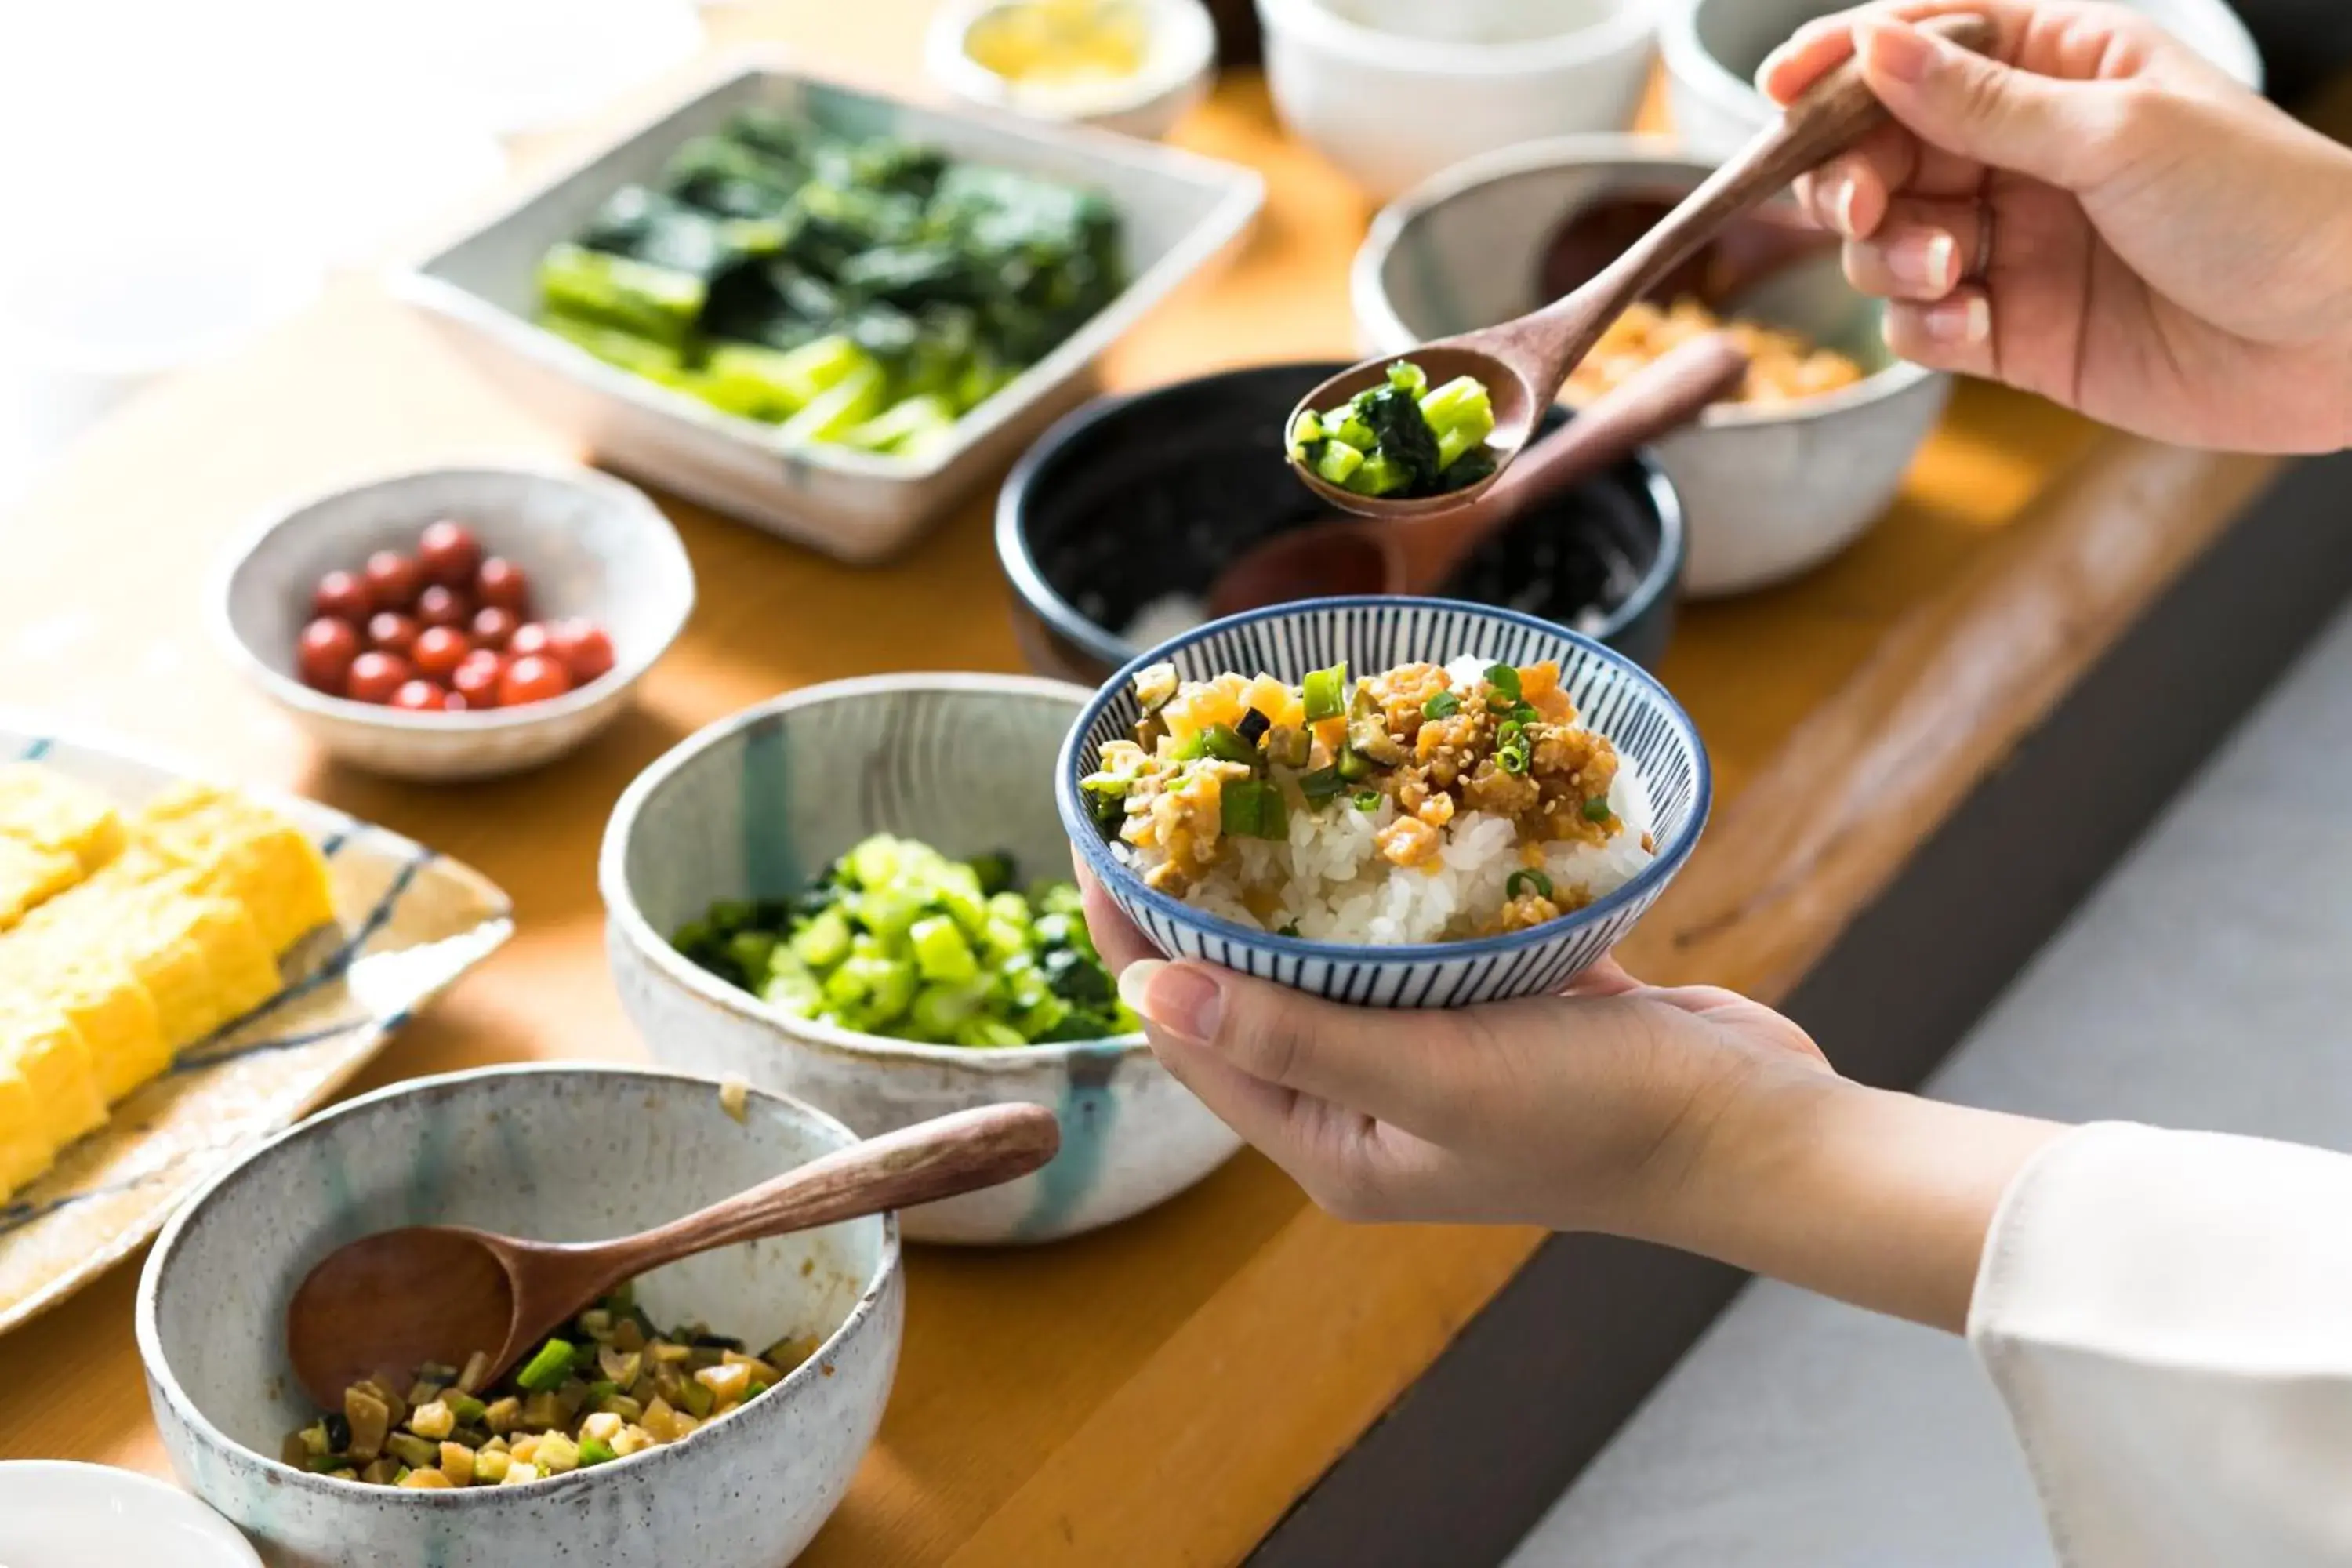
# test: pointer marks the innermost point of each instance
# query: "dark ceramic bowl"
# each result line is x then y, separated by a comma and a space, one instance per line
1131, 500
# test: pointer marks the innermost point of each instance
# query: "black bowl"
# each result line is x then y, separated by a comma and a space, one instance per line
1132, 499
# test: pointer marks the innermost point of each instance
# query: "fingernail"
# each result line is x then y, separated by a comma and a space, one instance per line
1891, 49
1929, 261
1968, 321
1839, 196
1179, 999
1764, 72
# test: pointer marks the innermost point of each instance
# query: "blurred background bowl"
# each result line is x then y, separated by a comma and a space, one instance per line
758, 805
1768, 492
1713, 47
1391, 91
1112, 527
1179, 49
555, 1153
588, 544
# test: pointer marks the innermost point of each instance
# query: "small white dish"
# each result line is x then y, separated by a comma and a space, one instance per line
1179, 58
1712, 50
1477, 76
63, 1515
589, 544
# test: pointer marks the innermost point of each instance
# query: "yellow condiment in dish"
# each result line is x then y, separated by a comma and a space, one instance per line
1060, 43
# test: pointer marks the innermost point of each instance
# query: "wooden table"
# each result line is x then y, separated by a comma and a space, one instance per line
1160, 1394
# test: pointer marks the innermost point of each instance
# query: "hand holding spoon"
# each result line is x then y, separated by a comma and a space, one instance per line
442, 1293
1523, 362
1419, 555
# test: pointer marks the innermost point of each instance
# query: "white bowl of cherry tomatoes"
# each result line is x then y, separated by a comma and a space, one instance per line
457, 623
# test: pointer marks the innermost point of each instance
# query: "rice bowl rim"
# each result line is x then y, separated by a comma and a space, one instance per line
1664, 862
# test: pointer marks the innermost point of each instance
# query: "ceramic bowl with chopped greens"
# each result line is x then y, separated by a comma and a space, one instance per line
623, 1440
860, 894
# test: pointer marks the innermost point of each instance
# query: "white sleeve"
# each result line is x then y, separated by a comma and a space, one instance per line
2168, 1316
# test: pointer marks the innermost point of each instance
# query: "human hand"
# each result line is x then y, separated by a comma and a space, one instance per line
2093, 213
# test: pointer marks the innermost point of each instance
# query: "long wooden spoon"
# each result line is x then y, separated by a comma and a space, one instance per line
1523, 362
1418, 555
442, 1293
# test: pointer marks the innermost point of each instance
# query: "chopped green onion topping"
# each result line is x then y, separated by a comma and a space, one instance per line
1512, 759
1519, 879
1193, 750
1225, 742
595, 1452
1504, 679
1597, 809
1368, 800
1325, 692
1351, 766
1253, 808
1444, 705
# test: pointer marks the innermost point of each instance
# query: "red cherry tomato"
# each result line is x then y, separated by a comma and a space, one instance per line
455, 702
392, 632
450, 553
420, 696
476, 678
392, 579
582, 646
534, 678
493, 626
323, 654
342, 595
531, 637
439, 651
501, 582
375, 676
440, 606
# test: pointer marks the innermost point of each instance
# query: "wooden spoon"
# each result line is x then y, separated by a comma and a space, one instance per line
1418, 555
441, 1293
1523, 362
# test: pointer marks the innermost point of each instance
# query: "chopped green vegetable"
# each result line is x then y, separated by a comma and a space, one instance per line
1442, 705
1597, 809
1321, 785
1225, 742
1520, 880
595, 1452
1399, 437
1324, 691
547, 1368
1368, 800
1504, 679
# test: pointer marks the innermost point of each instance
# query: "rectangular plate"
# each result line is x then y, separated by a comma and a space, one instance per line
1180, 213
407, 922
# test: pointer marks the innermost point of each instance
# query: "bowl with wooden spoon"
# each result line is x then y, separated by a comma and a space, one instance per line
548, 1472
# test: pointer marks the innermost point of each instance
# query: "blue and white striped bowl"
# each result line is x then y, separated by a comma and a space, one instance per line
1614, 696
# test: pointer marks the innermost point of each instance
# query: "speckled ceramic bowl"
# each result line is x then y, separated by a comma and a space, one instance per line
760, 804
1612, 694
589, 545
558, 1153
1133, 499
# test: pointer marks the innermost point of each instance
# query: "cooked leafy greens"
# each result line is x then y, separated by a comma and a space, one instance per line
1399, 437
865, 292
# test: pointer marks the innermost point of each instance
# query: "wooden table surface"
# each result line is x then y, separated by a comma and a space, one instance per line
1161, 1393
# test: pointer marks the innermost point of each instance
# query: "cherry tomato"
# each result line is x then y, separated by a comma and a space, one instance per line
342, 595
392, 579
531, 637
582, 646
455, 702
440, 606
323, 654
534, 678
392, 632
450, 553
501, 582
439, 651
375, 676
493, 626
420, 695
476, 678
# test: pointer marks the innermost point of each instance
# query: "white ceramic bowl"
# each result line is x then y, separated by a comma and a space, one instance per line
1766, 492
1713, 47
589, 544
1180, 213
558, 1153
60, 1515
1391, 91
758, 805
1179, 58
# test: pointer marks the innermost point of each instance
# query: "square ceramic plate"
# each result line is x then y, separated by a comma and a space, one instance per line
407, 922
1179, 213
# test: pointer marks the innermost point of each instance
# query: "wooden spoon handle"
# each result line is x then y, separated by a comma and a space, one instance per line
931, 1160
1662, 396
1832, 115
